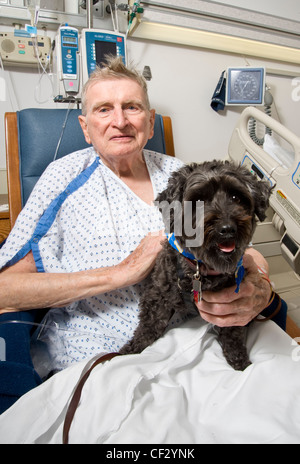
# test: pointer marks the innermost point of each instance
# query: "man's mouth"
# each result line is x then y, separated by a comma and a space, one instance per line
227, 247
121, 137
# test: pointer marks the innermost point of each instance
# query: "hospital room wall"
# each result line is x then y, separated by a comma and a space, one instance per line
184, 79
183, 83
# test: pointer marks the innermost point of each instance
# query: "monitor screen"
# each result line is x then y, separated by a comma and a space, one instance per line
103, 49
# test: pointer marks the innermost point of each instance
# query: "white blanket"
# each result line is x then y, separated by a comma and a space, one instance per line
180, 390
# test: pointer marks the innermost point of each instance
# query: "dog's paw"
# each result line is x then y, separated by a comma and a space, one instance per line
127, 349
238, 359
232, 341
132, 347
239, 364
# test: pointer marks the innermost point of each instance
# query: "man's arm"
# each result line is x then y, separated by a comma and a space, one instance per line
23, 288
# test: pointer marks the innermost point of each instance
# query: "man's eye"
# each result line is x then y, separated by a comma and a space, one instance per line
133, 108
104, 112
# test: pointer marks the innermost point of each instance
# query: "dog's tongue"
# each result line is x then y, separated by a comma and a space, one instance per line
227, 247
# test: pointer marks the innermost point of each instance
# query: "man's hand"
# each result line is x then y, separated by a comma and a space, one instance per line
141, 261
227, 308
22, 288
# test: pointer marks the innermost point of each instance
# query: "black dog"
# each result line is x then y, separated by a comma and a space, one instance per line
233, 198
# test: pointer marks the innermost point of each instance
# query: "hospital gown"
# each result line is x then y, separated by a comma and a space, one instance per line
81, 216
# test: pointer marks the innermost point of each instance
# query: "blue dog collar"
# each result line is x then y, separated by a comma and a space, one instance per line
239, 272
174, 243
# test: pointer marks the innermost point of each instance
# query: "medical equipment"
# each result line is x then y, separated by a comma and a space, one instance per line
97, 7
268, 100
77, 56
66, 62
283, 177
136, 9
96, 44
21, 49
33, 7
245, 86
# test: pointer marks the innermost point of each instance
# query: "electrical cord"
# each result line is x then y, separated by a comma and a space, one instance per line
44, 72
253, 125
63, 130
54, 327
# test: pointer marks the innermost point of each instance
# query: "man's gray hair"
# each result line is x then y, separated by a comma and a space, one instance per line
114, 68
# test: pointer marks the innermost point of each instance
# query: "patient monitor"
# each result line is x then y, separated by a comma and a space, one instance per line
96, 44
67, 61
77, 54
284, 178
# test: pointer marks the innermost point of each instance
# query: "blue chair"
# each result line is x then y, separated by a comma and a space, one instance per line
32, 137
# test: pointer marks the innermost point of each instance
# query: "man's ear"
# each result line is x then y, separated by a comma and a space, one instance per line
83, 123
152, 122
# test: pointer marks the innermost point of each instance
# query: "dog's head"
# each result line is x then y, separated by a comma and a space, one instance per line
233, 201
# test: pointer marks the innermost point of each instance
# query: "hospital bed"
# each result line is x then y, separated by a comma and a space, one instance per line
281, 168
179, 390
278, 162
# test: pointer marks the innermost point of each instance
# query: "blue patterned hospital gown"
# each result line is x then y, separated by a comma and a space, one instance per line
81, 216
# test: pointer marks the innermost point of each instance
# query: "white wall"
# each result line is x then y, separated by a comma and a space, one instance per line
183, 82
289, 9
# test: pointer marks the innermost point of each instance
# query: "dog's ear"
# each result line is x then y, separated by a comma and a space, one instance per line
176, 185
260, 191
171, 198
263, 194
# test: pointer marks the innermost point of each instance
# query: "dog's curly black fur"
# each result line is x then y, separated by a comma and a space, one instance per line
233, 200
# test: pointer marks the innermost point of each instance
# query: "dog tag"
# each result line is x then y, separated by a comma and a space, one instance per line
197, 289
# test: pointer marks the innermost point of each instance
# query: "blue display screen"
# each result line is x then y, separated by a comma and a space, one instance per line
99, 44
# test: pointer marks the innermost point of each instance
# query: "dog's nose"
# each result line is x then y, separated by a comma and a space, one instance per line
228, 230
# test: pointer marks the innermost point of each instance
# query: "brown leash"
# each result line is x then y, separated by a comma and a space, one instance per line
277, 310
77, 395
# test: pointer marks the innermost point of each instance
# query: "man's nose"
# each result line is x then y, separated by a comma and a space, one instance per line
120, 118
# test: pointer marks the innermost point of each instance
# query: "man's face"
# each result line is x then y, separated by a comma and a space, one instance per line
118, 123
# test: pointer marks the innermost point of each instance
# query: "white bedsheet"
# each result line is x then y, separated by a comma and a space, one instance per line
180, 391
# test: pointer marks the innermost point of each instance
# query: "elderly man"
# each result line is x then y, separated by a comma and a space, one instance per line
84, 242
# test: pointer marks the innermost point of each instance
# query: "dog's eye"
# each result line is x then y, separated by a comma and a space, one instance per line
235, 198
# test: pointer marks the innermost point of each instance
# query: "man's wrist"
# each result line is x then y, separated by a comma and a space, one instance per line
274, 303
266, 278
